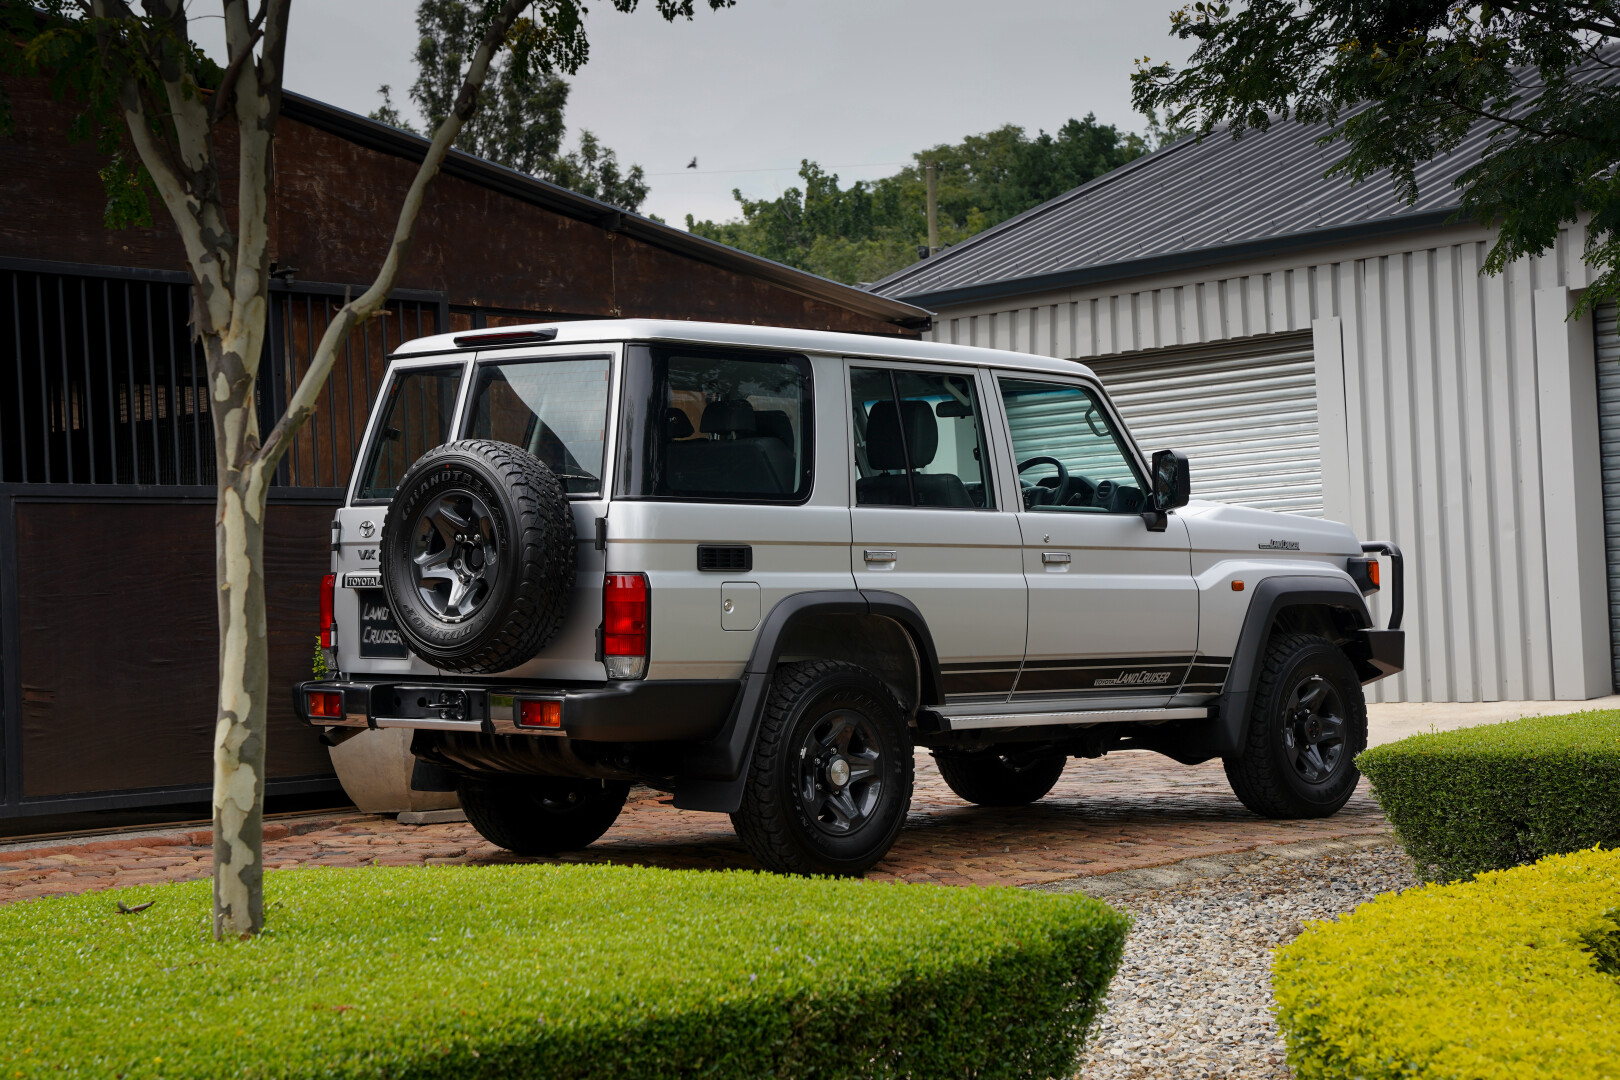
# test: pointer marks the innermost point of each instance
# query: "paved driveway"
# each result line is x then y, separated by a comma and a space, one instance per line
1126, 811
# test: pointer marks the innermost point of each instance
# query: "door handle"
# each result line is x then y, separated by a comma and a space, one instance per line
1054, 557
873, 556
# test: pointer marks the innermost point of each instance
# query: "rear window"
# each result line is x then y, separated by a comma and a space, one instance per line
416, 417
554, 409
727, 425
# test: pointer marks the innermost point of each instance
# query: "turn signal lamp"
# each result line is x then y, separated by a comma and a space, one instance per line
1364, 572
325, 704
540, 714
328, 604
625, 608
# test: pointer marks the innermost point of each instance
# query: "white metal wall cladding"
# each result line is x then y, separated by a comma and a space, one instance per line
1608, 380
1244, 416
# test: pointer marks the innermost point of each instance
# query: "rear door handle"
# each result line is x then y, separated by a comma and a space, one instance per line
873, 556
1052, 557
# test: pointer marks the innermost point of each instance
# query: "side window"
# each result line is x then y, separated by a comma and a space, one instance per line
727, 425
416, 417
919, 440
1069, 457
554, 409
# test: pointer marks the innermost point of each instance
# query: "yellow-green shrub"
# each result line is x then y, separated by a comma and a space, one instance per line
1490, 979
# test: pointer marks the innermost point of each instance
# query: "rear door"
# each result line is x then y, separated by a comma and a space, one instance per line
926, 521
1113, 608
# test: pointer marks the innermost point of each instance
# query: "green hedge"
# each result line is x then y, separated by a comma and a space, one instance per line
545, 971
1491, 979
1500, 795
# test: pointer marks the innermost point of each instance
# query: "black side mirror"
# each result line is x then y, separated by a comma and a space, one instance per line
1172, 487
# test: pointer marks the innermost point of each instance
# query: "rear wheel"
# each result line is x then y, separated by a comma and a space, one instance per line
1309, 723
541, 815
1001, 777
830, 780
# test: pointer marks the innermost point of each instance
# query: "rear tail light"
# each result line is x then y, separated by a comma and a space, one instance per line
540, 714
625, 608
328, 602
325, 705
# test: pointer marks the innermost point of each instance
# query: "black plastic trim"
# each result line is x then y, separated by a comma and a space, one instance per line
1271, 597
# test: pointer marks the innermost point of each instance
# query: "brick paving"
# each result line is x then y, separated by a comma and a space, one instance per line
1128, 811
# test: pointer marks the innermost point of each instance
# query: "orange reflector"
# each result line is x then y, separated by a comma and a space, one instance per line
543, 714
1372, 573
327, 704
1237, 586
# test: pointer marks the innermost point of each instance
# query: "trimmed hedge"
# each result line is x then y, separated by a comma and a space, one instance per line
1485, 980
1500, 795
548, 971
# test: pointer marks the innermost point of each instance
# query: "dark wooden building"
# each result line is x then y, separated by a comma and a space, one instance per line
107, 623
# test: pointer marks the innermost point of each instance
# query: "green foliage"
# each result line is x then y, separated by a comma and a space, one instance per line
318, 668
871, 229
580, 971
1603, 942
1485, 980
1401, 83
1499, 795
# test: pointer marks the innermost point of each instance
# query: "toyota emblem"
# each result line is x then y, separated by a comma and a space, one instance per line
366, 529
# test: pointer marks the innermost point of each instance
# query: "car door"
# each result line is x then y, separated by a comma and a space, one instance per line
1113, 608
926, 521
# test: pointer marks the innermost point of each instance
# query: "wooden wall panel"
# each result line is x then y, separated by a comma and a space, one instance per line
119, 642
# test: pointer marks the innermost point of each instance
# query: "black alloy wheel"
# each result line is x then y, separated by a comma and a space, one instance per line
541, 815
1308, 723
1006, 776
829, 781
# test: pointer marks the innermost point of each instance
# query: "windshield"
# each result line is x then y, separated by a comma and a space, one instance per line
554, 409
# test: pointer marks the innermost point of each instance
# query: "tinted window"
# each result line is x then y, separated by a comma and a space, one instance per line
416, 417
724, 424
919, 440
554, 409
1051, 423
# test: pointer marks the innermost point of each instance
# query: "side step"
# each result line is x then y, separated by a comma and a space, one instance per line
977, 721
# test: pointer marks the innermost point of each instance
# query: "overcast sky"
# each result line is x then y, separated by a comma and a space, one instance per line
857, 85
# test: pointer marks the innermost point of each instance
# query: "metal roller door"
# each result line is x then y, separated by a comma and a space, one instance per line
1245, 414
1608, 380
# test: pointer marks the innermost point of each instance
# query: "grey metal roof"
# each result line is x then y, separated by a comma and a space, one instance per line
1190, 204
390, 140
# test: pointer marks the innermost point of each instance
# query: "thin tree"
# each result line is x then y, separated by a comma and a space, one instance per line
141, 78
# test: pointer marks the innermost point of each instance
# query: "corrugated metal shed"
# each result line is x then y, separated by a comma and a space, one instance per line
1190, 204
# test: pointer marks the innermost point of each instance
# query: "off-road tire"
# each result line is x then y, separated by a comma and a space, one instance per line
774, 822
996, 778
1263, 777
533, 529
541, 815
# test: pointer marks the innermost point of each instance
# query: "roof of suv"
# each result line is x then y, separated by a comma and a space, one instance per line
770, 337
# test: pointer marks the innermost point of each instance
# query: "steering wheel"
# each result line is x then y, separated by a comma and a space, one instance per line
1030, 492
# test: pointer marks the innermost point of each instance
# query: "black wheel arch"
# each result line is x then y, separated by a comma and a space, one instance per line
1310, 603
711, 775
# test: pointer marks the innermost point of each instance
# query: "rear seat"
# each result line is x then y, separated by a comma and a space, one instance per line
736, 460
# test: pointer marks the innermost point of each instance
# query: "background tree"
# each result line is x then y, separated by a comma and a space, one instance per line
871, 229
519, 122
1402, 81
139, 77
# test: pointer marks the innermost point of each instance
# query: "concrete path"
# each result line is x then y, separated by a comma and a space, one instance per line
1389, 721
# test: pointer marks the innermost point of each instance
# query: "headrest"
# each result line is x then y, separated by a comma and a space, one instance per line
734, 417
774, 423
677, 425
883, 449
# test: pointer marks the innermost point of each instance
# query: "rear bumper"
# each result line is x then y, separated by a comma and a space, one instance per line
667, 710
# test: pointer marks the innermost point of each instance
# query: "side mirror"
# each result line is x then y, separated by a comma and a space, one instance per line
1172, 487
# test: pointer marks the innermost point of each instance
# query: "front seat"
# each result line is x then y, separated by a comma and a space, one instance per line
885, 451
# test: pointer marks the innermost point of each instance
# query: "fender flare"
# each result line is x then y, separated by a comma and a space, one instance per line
712, 775
1271, 597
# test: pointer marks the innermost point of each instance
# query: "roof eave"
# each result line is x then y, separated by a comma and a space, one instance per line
1183, 260
389, 140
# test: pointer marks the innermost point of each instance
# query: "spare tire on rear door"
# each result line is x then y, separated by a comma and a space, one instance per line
477, 556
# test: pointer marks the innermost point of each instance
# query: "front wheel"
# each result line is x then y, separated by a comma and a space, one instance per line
830, 780
1308, 724
541, 815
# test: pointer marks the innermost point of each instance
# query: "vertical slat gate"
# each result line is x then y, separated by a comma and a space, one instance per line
1608, 380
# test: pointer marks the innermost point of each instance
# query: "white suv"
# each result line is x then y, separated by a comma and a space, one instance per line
756, 567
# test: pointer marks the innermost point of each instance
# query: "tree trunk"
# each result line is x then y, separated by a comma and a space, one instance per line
244, 686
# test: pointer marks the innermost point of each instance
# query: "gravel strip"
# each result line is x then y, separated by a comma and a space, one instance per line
1193, 996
